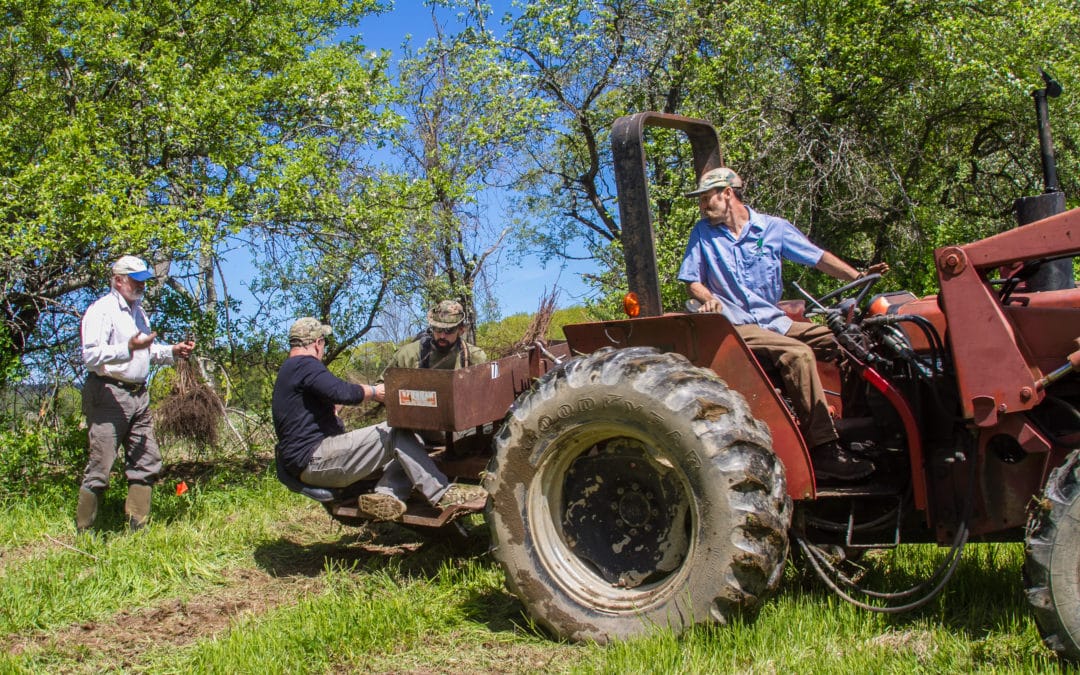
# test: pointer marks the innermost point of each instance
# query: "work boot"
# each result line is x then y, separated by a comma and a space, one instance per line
86, 511
831, 460
137, 506
461, 493
381, 506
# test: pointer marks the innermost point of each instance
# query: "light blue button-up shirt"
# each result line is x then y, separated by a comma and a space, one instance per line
744, 273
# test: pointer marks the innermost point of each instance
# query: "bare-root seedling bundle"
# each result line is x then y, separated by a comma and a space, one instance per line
192, 409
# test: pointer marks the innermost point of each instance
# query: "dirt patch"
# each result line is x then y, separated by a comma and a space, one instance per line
287, 569
919, 643
306, 550
196, 470
21, 554
118, 641
46, 546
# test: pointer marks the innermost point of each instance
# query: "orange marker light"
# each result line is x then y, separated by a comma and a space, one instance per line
879, 306
631, 305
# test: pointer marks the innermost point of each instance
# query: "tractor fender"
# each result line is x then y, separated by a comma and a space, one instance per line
710, 341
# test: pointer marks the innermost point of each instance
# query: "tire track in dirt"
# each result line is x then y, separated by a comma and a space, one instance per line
118, 641
288, 569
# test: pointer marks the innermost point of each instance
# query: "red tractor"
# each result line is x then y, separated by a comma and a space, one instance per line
650, 473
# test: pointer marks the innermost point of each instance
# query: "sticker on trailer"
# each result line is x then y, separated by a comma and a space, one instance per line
417, 398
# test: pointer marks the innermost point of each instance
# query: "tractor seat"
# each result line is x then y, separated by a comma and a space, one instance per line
323, 495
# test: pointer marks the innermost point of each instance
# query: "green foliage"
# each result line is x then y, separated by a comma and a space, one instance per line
884, 129
177, 131
340, 264
497, 337
37, 458
178, 316
246, 374
159, 129
367, 361
881, 129
567, 315
161, 383
469, 115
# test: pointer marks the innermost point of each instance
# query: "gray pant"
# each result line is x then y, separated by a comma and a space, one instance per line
116, 416
344, 459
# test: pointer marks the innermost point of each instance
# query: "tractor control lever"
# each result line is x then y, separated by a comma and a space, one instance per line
809, 297
834, 319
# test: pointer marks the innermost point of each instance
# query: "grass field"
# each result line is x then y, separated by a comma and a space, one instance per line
239, 575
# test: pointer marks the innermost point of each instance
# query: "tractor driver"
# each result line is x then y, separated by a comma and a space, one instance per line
732, 265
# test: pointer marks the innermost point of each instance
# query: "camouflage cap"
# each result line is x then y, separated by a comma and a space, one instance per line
446, 315
717, 178
307, 330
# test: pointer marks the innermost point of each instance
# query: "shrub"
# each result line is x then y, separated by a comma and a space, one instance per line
36, 457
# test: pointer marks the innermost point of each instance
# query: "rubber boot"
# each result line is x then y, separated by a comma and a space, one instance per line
137, 506
86, 511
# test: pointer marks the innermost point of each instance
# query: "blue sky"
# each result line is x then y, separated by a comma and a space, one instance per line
519, 286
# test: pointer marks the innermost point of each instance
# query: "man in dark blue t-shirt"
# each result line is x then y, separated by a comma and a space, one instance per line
314, 446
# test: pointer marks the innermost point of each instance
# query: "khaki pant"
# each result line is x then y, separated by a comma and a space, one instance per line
119, 417
795, 357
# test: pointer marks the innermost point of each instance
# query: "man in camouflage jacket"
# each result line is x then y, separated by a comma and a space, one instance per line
443, 346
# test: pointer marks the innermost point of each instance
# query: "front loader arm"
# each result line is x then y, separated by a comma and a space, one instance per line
995, 372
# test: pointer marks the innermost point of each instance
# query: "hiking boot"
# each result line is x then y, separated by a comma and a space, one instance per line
461, 493
833, 461
86, 511
137, 506
381, 506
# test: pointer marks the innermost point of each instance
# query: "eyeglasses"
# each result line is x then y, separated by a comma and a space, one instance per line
444, 331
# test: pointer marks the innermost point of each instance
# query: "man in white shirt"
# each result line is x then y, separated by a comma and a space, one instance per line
118, 349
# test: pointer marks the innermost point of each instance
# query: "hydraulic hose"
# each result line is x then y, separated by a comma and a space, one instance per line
941, 575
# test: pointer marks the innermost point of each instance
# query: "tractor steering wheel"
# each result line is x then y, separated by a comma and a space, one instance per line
858, 289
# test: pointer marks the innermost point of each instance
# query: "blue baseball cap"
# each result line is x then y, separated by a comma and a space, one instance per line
135, 268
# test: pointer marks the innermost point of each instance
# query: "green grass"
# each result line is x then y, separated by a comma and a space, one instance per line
241, 576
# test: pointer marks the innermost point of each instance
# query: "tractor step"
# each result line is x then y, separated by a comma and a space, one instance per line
420, 515
885, 535
423, 515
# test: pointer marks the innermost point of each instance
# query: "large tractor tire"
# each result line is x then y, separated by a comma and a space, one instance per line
633, 490
1052, 564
